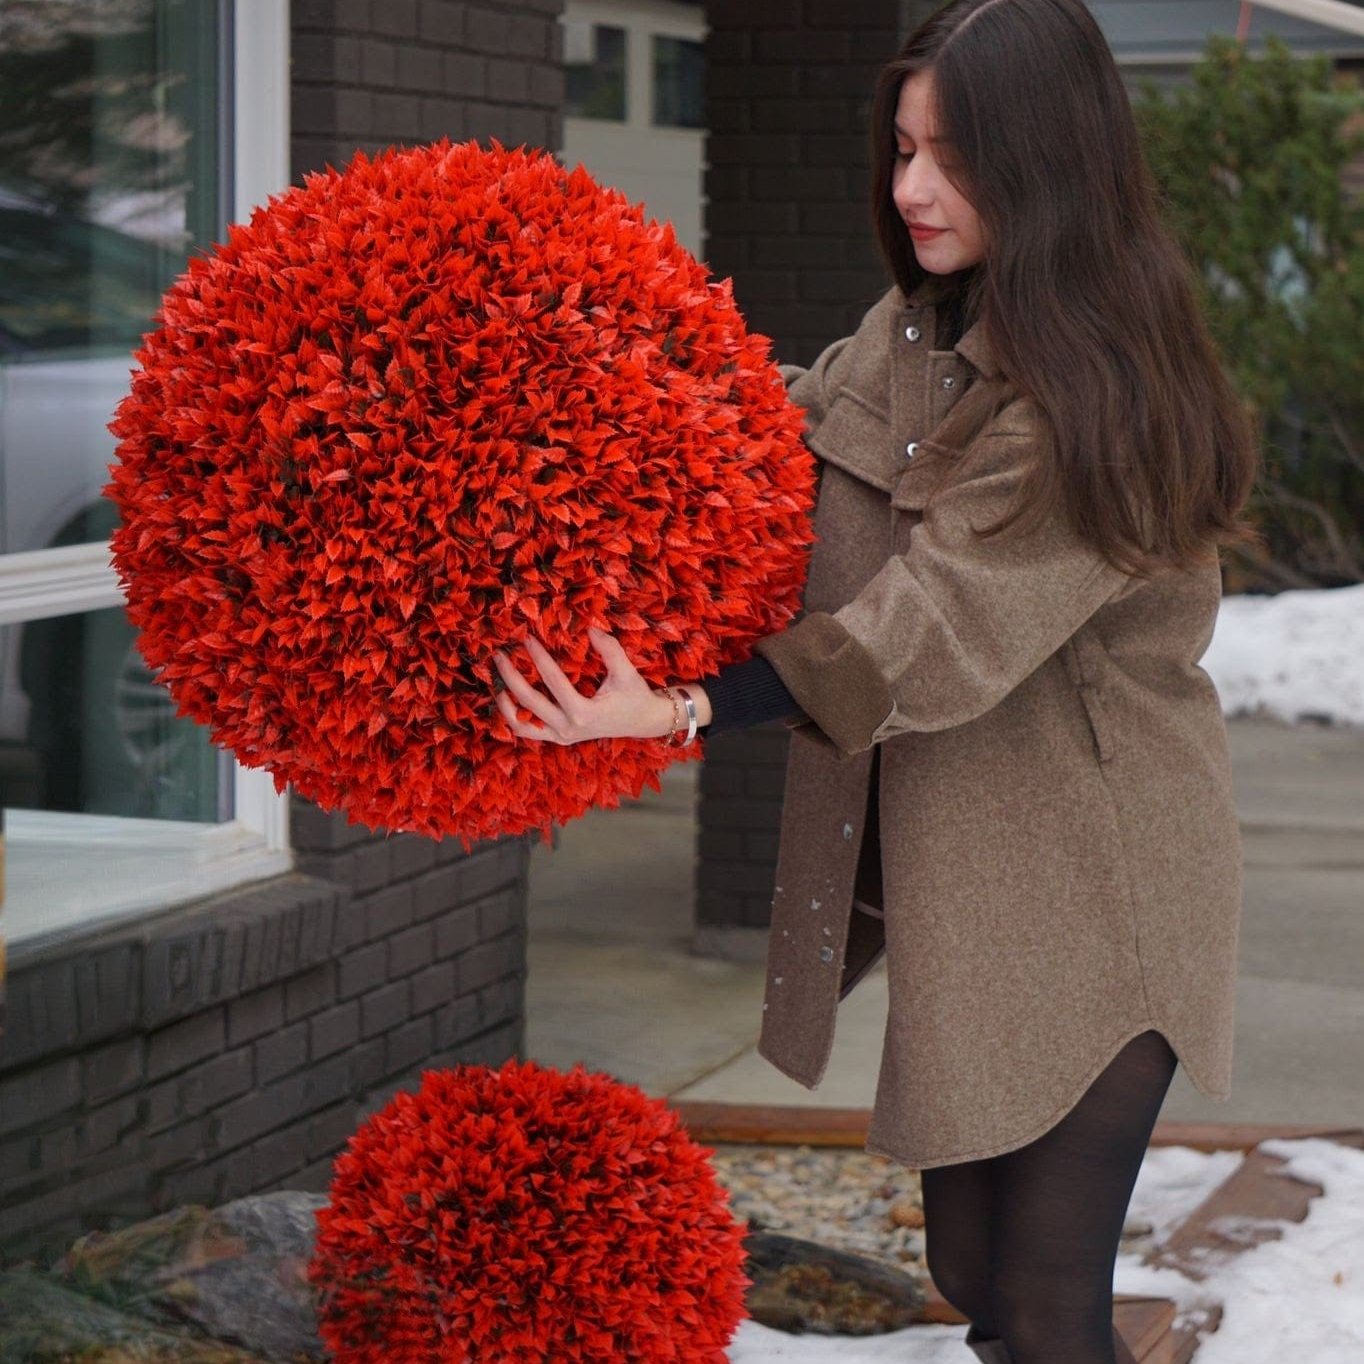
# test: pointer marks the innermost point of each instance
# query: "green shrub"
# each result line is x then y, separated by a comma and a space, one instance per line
1250, 157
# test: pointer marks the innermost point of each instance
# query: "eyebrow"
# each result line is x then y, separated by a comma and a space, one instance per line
904, 132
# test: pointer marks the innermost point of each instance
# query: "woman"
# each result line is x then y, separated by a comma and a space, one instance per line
1029, 457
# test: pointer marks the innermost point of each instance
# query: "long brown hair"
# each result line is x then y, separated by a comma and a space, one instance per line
1086, 298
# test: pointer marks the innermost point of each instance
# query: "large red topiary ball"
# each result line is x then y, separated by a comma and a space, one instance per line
527, 1214
415, 410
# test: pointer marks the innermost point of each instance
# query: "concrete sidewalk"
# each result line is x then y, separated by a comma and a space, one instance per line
612, 981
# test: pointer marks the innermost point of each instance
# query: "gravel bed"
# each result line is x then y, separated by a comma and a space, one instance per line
842, 1197
838, 1196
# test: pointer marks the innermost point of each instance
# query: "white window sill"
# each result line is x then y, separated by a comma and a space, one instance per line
66, 874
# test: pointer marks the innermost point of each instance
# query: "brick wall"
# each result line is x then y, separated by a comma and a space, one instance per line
230, 1046
374, 73
788, 98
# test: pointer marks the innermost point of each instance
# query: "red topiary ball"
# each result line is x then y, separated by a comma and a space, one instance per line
526, 1214
416, 410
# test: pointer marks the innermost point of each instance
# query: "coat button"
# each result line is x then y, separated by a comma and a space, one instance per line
912, 333
826, 954
949, 381
911, 449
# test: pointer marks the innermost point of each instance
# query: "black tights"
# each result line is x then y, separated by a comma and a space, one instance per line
1024, 1244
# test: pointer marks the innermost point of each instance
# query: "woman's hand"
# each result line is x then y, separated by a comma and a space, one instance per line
625, 706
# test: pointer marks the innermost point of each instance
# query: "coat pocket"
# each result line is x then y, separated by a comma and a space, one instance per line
857, 437
1084, 668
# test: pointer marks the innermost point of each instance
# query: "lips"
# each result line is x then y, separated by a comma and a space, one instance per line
918, 231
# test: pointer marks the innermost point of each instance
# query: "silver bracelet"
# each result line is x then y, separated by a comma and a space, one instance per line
690, 703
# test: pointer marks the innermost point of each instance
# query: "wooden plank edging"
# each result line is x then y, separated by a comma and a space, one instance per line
809, 1125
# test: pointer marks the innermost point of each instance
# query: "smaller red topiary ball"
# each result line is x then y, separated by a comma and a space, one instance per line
526, 1214
414, 411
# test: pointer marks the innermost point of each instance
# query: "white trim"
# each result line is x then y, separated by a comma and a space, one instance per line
57, 582
260, 104
1329, 13
260, 159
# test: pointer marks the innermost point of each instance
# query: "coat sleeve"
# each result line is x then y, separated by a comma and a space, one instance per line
947, 628
812, 388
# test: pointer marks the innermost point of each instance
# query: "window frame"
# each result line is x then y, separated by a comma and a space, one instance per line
41, 584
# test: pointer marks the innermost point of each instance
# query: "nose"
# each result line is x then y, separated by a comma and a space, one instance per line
910, 192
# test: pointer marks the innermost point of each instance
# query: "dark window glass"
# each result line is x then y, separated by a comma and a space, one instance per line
594, 66
679, 83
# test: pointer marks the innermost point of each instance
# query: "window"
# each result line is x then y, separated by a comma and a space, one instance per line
123, 126
594, 70
679, 83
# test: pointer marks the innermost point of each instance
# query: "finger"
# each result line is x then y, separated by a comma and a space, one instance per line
535, 702
553, 675
611, 649
518, 726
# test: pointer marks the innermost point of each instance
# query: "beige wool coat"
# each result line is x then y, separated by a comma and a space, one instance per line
1011, 746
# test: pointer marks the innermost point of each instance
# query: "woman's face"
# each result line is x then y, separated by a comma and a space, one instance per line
920, 190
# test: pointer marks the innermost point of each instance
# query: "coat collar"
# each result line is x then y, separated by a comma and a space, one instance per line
974, 345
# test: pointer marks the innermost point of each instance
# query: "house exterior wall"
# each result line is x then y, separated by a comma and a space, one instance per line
204, 1051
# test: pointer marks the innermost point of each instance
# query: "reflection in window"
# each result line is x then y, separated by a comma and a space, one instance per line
679, 83
110, 178
84, 725
594, 70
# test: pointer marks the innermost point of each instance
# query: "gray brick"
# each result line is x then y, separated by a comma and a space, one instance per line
383, 1008
410, 950
330, 1129
802, 46
501, 1000
436, 891
407, 1045
488, 961
507, 80
361, 969
198, 1089
352, 925
441, 116
395, 18
254, 1014
111, 1069
333, 1029
281, 1103
441, 22
181, 1044
421, 70
318, 57
281, 1052
315, 989
389, 909
312, 829
266, 1162
456, 930
85, 1143
397, 116
485, 872
108, 990
723, 845
183, 1147
456, 1023
410, 855
545, 86
500, 913
743, 812
434, 986
465, 75
366, 1065
354, 112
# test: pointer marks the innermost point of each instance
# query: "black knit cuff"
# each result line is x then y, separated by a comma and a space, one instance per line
744, 694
